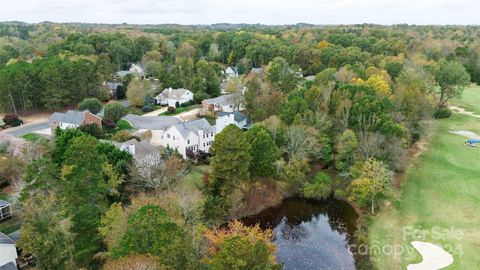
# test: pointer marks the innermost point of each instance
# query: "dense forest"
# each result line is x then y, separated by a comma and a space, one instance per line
352, 99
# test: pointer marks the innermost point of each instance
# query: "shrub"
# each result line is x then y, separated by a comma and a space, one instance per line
114, 111
442, 112
92, 104
92, 129
320, 188
108, 123
186, 104
171, 109
177, 104
11, 119
121, 92
121, 136
340, 194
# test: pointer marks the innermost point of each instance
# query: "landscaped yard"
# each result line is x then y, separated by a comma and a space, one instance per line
194, 179
179, 110
470, 99
123, 125
32, 137
441, 191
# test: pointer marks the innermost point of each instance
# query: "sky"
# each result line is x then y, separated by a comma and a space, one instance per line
243, 11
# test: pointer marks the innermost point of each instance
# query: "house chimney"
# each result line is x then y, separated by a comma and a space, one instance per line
170, 89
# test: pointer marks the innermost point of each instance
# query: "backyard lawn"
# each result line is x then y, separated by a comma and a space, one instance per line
470, 99
179, 110
440, 197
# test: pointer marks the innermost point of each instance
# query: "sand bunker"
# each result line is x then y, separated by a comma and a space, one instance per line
434, 257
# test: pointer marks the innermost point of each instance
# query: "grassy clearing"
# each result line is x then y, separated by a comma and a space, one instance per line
441, 191
194, 179
123, 125
470, 99
31, 137
10, 225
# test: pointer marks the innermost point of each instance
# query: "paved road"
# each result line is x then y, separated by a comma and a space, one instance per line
26, 129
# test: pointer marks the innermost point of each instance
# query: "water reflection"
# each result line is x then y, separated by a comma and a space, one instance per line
311, 234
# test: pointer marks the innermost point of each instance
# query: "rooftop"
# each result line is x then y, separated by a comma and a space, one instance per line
194, 126
151, 122
5, 240
169, 93
237, 116
225, 100
70, 117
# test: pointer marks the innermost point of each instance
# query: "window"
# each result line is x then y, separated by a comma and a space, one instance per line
203, 144
174, 138
207, 135
204, 136
212, 134
168, 136
188, 141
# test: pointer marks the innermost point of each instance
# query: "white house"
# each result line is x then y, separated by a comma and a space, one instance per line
225, 103
193, 136
231, 72
171, 96
8, 252
226, 118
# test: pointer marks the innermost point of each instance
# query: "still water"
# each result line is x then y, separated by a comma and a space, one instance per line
311, 234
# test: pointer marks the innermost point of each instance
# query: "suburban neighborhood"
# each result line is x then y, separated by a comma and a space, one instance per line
276, 135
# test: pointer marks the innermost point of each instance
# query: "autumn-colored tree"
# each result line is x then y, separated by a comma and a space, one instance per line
240, 247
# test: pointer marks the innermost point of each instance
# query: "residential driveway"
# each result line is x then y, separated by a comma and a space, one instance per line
26, 129
151, 122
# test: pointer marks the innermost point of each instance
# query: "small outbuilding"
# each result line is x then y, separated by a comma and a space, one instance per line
5, 210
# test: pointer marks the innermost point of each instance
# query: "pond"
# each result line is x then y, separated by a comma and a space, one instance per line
311, 234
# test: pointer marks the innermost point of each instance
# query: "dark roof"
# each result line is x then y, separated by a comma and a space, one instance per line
4, 239
8, 266
237, 116
141, 149
15, 235
70, 117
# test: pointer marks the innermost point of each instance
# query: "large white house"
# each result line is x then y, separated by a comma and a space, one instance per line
225, 103
8, 252
193, 136
231, 72
171, 96
227, 118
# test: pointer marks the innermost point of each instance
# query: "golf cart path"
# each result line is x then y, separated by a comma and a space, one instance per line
434, 257
467, 134
463, 111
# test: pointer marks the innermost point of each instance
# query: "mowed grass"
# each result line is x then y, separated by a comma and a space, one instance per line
441, 191
470, 99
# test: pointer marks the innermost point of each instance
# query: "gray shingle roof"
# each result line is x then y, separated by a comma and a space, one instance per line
151, 122
225, 100
194, 126
70, 117
142, 148
175, 94
5, 240
8, 266
237, 116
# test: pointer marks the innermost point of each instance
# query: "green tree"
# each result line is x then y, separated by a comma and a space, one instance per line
281, 75
45, 233
452, 79
375, 178
84, 191
264, 154
114, 111
320, 188
92, 104
137, 91
345, 150
151, 231
230, 166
